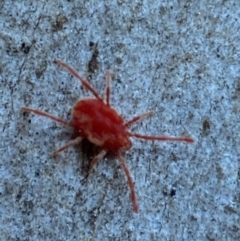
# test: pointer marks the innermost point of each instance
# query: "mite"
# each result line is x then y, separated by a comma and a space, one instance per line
96, 120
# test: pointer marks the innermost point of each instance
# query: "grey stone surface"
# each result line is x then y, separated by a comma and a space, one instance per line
178, 58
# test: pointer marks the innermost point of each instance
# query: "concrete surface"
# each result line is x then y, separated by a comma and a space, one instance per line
178, 58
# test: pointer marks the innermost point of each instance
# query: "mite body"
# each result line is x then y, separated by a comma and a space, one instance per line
96, 120
100, 124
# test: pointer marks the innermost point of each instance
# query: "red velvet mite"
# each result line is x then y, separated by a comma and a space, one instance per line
96, 120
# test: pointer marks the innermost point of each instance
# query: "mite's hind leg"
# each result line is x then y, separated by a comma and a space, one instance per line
162, 138
97, 158
94, 161
130, 183
69, 144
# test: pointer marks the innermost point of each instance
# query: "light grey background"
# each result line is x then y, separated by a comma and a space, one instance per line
178, 58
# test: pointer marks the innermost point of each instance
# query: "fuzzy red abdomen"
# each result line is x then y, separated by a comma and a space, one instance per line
100, 124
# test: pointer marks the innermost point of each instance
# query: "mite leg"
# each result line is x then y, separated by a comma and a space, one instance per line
162, 138
97, 158
130, 183
69, 144
83, 81
42, 113
139, 117
108, 88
